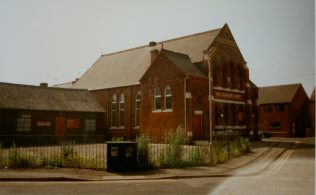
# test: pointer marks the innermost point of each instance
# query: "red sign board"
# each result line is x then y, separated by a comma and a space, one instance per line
72, 123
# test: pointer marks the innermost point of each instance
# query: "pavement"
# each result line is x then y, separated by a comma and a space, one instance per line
258, 150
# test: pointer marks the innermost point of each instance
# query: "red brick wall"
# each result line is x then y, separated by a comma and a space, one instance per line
162, 73
104, 96
282, 117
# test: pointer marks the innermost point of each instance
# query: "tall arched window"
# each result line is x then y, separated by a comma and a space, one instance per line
157, 99
168, 100
113, 111
122, 111
137, 109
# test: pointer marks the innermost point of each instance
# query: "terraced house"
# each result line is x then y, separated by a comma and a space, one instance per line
199, 82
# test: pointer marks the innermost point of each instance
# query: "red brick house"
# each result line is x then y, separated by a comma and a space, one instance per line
42, 114
160, 86
283, 110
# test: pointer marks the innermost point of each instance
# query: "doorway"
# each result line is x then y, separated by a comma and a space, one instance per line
60, 128
197, 125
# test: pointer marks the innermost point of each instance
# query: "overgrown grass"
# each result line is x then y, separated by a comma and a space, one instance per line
66, 157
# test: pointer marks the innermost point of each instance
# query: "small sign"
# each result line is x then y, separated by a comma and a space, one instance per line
44, 123
129, 152
114, 151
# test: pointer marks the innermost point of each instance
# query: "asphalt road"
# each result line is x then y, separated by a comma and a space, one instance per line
292, 172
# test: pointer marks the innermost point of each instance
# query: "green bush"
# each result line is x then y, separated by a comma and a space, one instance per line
175, 140
234, 149
143, 151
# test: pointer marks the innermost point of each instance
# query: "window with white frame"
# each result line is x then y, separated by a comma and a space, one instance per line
137, 110
113, 111
157, 99
90, 124
122, 111
24, 122
168, 100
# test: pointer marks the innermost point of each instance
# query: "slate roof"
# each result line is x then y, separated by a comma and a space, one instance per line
183, 63
126, 68
27, 97
278, 93
312, 98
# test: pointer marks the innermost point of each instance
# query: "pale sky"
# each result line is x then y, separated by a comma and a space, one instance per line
56, 41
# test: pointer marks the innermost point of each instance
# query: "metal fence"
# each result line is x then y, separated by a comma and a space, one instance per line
66, 154
173, 151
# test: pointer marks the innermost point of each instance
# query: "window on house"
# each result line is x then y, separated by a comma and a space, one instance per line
268, 108
24, 122
122, 111
113, 111
275, 125
280, 108
90, 125
157, 99
168, 100
137, 110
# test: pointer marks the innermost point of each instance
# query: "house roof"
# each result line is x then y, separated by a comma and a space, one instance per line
312, 98
27, 97
126, 68
183, 63
278, 94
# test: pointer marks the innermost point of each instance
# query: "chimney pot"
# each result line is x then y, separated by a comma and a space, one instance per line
152, 43
43, 84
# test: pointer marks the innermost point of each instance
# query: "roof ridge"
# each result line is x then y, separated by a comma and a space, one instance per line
166, 41
282, 85
39, 87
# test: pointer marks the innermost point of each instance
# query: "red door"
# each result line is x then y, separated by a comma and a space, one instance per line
197, 127
60, 127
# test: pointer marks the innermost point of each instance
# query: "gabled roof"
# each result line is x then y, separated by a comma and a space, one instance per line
312, 98
126, 68
183, 63
278, 93
27, 97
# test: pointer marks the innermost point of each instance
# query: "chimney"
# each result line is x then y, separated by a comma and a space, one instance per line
44, 85
153, 54
152, 43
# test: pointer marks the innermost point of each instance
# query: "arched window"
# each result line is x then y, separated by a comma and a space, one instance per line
122, 111
168, 100
157, 99
137, 109
113, 111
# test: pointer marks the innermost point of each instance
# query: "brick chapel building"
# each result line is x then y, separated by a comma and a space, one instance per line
154, 88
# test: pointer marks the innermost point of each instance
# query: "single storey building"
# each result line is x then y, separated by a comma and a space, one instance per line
42, 114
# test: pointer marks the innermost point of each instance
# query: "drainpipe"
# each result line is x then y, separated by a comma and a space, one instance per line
207, 55
185, 101
210, 95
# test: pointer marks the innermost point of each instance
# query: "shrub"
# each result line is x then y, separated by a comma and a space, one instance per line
244, 145
142, 151
222, 153
234, 149
175, 140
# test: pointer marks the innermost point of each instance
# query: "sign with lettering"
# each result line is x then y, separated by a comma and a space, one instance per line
43, 123
227, 95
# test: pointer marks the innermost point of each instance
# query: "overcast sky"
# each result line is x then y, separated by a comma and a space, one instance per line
56, 41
